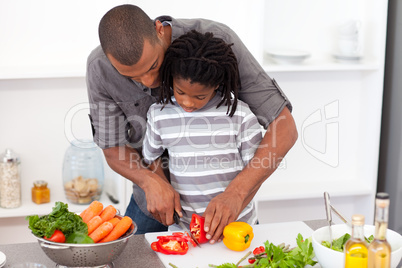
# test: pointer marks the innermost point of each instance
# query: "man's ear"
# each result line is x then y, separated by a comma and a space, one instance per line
159, 29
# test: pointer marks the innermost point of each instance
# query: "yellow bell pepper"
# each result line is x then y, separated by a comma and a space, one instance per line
237, 235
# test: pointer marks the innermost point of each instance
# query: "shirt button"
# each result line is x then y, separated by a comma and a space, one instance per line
136, 104
145, 89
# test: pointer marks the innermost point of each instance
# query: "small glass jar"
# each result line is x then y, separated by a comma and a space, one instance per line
83, 173
10, 180
40, 192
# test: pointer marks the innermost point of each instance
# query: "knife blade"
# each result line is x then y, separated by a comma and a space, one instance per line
177, 220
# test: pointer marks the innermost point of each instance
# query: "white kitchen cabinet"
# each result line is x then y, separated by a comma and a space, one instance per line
337, 109
337, 106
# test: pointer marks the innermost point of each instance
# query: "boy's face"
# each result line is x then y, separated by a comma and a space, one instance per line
192, 96
146, 70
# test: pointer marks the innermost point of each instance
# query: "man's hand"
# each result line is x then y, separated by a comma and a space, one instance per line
162, 199
222, 210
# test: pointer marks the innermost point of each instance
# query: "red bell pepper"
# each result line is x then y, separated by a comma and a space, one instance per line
175, 244
57, 237
197, 228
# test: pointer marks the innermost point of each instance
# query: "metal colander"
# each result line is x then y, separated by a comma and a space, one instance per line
86, 255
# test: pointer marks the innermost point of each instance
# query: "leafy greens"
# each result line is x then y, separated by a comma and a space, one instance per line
277, 257
339, 243
60, 218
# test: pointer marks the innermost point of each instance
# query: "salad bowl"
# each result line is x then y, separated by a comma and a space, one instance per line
329, 258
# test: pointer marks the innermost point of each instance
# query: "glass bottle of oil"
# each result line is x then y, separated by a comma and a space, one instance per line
356, 246
379, 250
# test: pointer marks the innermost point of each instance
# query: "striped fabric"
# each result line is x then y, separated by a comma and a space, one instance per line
207, 149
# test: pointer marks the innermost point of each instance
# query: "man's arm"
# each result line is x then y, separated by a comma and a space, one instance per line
277, 141
160, 195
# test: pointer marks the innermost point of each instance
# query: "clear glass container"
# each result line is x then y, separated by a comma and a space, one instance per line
379, 250
356, 247
10, 180
83, 173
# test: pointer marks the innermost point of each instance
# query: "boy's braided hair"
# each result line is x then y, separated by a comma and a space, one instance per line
203, 59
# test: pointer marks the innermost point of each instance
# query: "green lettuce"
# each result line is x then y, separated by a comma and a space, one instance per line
60, 218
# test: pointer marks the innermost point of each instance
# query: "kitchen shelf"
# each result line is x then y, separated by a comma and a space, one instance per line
30, 208
310, 190
37, 72
321, 65
71, 71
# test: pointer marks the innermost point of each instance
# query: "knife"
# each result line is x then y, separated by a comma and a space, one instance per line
177, 220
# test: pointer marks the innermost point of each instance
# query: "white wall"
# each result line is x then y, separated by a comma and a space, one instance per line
43, 50
57, 34
48, 38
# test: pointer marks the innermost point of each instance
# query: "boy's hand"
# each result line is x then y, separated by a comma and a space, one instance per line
222, 210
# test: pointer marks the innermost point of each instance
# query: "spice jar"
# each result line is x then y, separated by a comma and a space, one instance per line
83, 173
10, 180
40, 192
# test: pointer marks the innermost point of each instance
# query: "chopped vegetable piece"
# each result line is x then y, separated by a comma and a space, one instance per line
197, 228
175, 244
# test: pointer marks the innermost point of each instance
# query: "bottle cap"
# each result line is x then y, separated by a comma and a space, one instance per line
40, 183
382, 196
382, 200
9, 157
358, 219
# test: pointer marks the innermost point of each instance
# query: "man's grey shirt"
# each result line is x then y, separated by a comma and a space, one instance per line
119, 105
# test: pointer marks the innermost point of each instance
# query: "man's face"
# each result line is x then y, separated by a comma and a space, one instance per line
146, 70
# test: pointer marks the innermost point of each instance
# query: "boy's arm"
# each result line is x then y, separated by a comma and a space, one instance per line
277, 141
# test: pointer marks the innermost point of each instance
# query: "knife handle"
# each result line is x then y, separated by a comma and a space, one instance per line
176, 217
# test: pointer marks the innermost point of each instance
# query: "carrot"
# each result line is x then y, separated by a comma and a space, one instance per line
83, 213
119, 230
114, 221
94, 209
108, 213
94, 223
102, 231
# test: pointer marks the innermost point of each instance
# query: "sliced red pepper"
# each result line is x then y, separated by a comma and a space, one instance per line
197, 228
191, 240
175, 244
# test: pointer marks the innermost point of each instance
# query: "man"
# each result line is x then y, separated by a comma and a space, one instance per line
122, 79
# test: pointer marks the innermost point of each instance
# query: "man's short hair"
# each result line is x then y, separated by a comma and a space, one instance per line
122, 31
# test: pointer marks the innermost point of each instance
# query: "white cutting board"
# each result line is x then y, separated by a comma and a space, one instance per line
218, 253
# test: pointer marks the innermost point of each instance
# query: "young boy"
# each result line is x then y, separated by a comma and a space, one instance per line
209, 134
